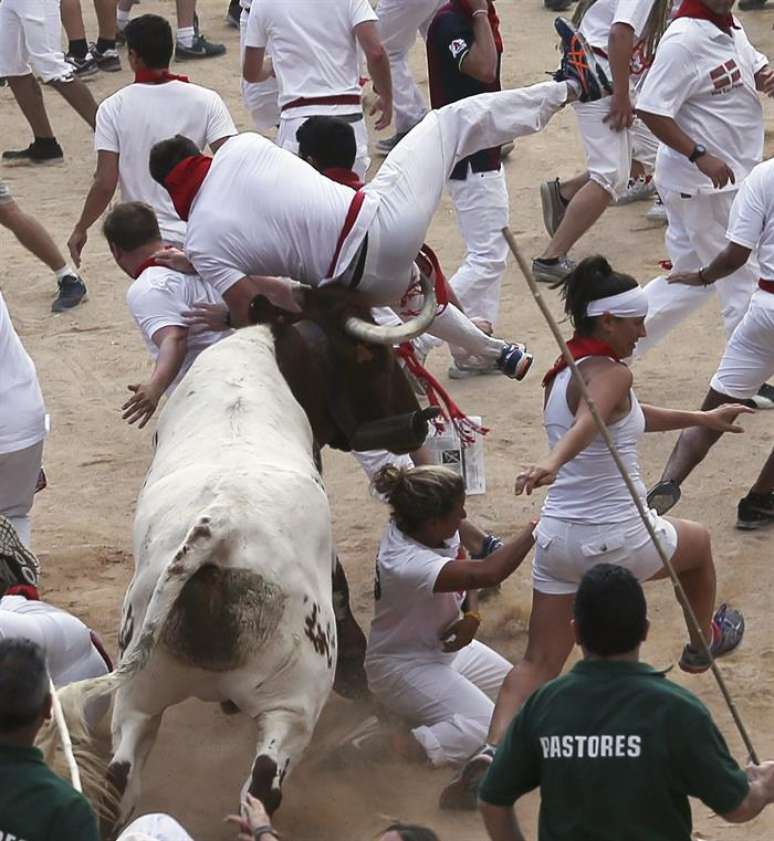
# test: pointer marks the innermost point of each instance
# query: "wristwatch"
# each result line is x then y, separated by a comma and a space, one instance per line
698, 151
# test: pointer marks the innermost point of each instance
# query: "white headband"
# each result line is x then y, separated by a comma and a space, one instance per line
630, 304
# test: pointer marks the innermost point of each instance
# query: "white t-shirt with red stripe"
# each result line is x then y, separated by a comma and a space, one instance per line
751, 223
313, 48
263, 211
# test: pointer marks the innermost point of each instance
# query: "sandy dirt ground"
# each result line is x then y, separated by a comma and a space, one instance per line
95, 464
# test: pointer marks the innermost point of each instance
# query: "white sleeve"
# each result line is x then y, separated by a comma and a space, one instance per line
635, 13
219, 122
748, 215
360, 11
255, 35
670, 80
21, 626
219, 274
421, 570
106, 136
158, 307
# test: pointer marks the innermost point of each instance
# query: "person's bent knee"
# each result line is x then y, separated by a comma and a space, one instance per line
611, 181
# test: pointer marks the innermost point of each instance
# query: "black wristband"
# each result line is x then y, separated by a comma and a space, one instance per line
266, 829
228, 318
704, 281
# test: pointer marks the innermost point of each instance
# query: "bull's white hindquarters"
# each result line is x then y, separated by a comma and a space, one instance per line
448, 704
481, 204
608, 153
748, 360
19, 471
399, 22
30, 40
154, 827
259, 98
696, 233
289, 125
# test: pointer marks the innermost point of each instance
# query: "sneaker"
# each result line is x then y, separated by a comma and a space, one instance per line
552, 271
201, 48
120, 37
657, 212
579, 65
83, 68
234, 14
514, 361
72, 290
557, 5
755, 511
554, 206
664, 496
638, 189
462, 791
751, 5
35, 153
107, 60
387, 144
764, 399
727, 633
463, 368
491, 543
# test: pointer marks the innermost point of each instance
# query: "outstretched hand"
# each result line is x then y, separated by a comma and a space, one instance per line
211, 316
254, 815
175, 259
141, 405
460, 634
534, 476
722, 419
686, 278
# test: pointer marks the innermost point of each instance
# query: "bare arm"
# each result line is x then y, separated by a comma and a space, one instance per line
172, 343
102, 189
473, 575
481, 60
500, 822
730, 259
367, 35
759, 796
256, 67
620, 45
764, 81
720, 419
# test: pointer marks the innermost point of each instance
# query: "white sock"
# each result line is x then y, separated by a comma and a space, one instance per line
66, 270
122, 18
185, 36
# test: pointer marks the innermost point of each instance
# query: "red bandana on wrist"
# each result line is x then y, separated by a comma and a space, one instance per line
697, 9
184, 181
494, 21
155, 77
580, 347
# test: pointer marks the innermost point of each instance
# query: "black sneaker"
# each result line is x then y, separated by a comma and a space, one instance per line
462, 792
751, 5
727, 633
107, 60
663, 496
72, 290
557, 5
755, 511
763, 399
35, 153
579, 65
201, 48
83, 68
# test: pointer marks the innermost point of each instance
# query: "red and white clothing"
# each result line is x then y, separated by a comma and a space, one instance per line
159, 297
315, 59
30, 40
702, 78
748, 360
136, 117
23, 427
447, 697
259, 98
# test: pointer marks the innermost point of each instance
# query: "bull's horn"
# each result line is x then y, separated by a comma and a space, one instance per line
377, 334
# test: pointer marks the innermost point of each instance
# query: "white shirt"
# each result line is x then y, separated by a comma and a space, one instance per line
704, 80
409, 618
22, 413
136, 117
599, 20
751, 222
313, 47
262, 210
159, 297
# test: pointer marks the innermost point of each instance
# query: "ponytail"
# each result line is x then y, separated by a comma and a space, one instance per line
418, 494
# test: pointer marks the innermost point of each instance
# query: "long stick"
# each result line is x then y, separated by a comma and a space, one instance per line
604, 432
64, 736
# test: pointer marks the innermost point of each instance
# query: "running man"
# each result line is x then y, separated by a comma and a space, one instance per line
615, 748
245, 224
314, 55
748, 360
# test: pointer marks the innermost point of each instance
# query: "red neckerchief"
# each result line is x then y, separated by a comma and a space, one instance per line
147, 264
145, 76
344, 176
580, 347
184, 181
27, 590
697, 9
494, 21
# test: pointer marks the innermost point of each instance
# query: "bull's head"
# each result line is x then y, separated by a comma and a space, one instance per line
342, 369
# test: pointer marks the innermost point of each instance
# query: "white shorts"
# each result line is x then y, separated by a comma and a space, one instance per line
608, 152
565, 550
748, 360
260, 98
30, 40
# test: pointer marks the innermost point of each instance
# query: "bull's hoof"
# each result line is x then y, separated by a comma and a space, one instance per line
350, 680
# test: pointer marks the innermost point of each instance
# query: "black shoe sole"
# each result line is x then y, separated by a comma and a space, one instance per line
62, 309
754, 525
32, 161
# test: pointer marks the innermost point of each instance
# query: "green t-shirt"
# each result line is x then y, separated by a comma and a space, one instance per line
36, 805
616, 749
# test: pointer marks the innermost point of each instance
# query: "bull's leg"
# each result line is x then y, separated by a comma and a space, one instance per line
350, 680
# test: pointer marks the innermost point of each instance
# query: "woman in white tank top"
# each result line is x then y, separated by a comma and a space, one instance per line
588, 516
